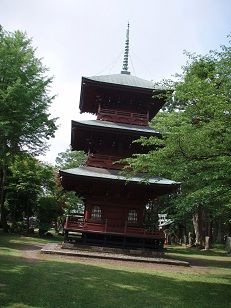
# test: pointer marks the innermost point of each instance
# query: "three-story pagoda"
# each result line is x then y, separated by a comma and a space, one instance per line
114, 207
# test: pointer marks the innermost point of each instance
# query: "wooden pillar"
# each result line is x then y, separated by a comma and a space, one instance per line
105, 226
66, 236
124, 242
87, 211
84, 238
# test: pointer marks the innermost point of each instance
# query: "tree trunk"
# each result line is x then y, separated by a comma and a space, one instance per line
182, 233
229, 230
2, 197
198, 226
210, 230
220, 232
27, 223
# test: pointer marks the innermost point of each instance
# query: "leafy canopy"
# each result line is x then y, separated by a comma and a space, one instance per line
25, 122
70, 159
196, 144
66, 160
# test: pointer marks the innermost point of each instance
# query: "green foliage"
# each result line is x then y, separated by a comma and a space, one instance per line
29, 174
67, 160
70, 159
196, 144
25, 123
27, 181
24, 96
48, 211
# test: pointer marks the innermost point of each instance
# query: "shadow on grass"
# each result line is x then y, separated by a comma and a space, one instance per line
202, 262
211, 258
21, 246
7, 239
59, 284
217, 252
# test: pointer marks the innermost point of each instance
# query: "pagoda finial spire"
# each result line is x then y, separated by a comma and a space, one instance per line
126, 52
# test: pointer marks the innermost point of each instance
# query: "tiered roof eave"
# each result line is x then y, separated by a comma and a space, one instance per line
121, 83
116, 175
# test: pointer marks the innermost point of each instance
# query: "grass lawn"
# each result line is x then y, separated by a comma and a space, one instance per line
54, 281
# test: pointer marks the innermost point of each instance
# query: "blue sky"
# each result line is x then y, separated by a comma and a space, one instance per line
86, 37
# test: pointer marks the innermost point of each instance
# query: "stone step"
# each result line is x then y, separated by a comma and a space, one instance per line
54, 248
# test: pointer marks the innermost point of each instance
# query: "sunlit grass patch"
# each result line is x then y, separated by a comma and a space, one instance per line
61, 282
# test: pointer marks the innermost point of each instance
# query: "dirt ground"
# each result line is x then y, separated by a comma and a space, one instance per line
32, 254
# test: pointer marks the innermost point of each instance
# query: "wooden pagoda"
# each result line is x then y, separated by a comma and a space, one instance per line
114, 207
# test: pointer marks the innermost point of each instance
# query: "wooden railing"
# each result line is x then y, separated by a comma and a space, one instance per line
73, 222
122, 116
104, 161
110, 226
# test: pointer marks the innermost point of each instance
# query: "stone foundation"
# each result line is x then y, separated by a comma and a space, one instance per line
130, 252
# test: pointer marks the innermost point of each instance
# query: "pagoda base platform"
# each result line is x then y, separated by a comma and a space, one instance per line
112, 250
94, 252
115, 240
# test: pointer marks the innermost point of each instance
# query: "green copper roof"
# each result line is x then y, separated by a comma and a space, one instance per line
119, 126
101, 173
124, 79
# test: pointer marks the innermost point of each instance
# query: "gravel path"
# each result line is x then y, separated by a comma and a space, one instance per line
32, 254
53, 248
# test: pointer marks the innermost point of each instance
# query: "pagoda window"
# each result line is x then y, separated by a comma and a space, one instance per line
96, 213
132, 216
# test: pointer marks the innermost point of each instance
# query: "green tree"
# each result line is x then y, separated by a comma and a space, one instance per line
66, 160
48, 211
196, 144
28, 180
70, 159
25, 123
